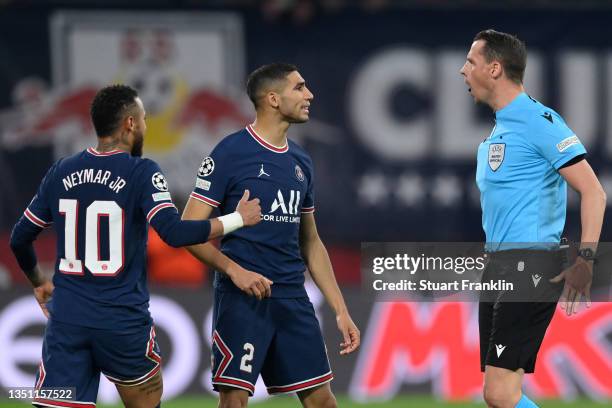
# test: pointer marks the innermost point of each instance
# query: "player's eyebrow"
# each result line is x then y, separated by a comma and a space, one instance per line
300, 84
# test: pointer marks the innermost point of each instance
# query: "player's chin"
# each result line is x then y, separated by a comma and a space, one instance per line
302, 118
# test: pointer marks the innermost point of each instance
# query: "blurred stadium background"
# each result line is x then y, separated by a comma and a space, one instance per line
393, 136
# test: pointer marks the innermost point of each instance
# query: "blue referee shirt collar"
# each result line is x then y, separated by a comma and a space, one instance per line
516, 103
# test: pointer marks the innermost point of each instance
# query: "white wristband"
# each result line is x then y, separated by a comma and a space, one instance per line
231, 222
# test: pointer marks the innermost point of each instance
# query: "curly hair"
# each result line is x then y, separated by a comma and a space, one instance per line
109, 107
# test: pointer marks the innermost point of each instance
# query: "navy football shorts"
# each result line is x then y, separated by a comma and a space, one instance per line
279, 338
74, 357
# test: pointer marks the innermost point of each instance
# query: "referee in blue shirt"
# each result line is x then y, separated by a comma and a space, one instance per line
522, 173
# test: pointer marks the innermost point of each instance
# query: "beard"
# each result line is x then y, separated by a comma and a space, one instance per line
295, 119
137, 147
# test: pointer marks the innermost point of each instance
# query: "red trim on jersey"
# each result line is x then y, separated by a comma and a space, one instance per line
205, 200
157, 208
302, 385
93, 151
63, 404
41, 375
35, 220
307, 210
265, 144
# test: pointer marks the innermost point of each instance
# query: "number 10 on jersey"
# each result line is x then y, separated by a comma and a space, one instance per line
70, 264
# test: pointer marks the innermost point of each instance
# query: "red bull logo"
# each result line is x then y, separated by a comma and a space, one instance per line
178, 71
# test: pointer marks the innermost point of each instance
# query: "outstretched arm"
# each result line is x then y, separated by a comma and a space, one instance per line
251, 283
177, 233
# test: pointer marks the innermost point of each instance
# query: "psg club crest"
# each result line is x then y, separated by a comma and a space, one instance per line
159, 182
299, 173
207, 167
496, 155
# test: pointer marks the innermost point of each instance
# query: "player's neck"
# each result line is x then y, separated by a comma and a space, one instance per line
505, 95
108, 144
271, 131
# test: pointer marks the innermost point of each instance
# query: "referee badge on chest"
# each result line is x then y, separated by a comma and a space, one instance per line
496, 155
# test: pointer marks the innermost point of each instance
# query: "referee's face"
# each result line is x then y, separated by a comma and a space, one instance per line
476, 74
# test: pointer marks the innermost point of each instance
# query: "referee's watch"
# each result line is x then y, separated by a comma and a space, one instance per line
587, 254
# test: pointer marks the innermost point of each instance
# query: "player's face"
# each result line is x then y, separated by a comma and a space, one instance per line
476, 73
140, 128
295, 99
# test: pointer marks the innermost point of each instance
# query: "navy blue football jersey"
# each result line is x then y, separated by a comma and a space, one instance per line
100, 205
282, 178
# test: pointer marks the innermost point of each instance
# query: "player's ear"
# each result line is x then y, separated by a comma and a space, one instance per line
273, 99
130, 122
496, 69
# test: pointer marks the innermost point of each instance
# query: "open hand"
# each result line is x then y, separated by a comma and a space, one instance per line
578, 279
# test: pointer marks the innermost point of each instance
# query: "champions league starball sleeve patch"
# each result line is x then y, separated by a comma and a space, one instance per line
159, 181
207, 167
212, 177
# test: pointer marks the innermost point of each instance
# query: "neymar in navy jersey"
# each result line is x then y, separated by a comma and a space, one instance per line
263, 321
101, 202
523, 169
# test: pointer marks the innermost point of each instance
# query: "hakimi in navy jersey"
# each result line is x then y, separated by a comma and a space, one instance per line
100, 205
282, 178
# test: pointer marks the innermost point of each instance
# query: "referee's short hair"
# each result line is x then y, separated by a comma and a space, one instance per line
508, 50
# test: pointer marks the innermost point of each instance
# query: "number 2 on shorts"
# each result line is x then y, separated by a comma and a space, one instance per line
245, 362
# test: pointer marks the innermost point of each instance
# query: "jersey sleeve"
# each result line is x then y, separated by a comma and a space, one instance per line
308, 206
555, 141
154, 195
38, 212
213, 177
36, 216
156, 203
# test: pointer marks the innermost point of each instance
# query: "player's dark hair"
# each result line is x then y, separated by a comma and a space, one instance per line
508, 50
265, 77
109, 107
